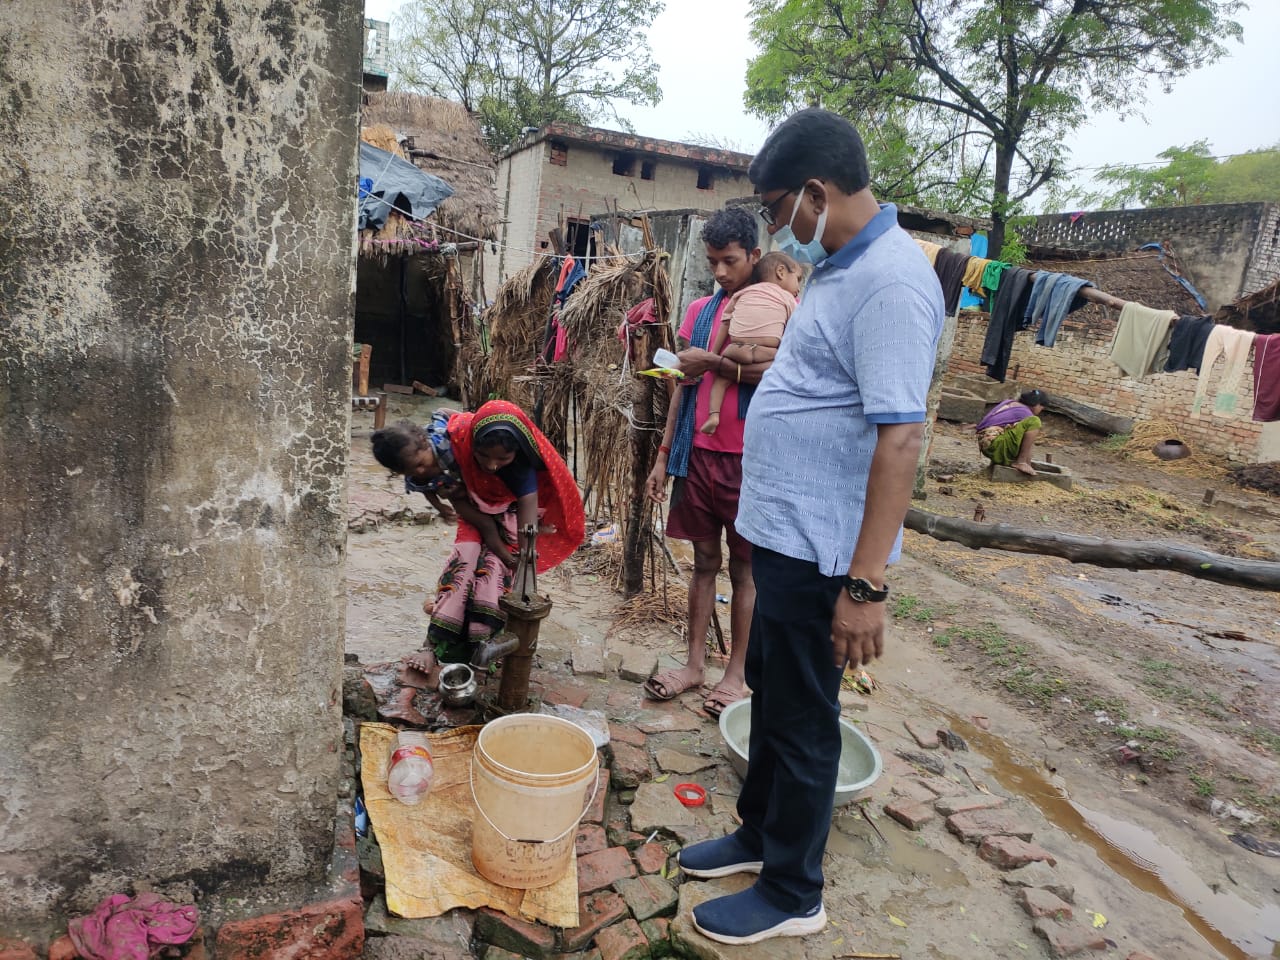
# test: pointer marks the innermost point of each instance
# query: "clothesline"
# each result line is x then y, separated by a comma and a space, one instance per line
1146, 340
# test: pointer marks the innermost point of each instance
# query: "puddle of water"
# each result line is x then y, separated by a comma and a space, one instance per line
854, 837
1234, 927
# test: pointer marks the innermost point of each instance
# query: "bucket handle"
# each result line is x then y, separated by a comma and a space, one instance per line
573, 826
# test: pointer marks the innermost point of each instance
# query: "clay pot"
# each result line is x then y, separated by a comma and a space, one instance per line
1171, 449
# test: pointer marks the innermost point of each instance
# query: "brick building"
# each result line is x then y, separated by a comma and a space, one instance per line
562, 174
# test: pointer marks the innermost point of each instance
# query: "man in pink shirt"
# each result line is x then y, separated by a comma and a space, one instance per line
708, 468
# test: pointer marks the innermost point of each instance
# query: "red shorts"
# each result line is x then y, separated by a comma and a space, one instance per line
706, 501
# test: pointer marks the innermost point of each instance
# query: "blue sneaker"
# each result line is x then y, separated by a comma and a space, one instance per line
718, 858
747, 917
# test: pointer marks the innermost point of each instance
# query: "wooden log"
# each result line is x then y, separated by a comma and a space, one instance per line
421, 387
399, 388
1088, 416
1122, 554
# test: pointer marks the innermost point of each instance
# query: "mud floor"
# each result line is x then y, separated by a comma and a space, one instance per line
1130, 718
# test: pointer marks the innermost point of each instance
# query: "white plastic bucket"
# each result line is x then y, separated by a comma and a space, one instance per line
533, 777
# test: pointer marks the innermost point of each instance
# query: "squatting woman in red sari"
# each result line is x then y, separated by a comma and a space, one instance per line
501, 475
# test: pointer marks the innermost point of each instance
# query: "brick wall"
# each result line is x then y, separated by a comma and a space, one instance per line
1217, 244
519, 182
1077, 366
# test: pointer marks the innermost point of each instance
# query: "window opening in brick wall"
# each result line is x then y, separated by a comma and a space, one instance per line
706, 178
624, 164
579, 240
648, 169
559, 153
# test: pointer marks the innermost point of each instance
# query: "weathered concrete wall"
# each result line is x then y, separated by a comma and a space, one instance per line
1223, 247
176, 273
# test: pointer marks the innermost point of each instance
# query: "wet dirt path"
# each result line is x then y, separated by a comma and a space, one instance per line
1163, 874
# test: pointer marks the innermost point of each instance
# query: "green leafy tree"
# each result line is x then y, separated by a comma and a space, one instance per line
525, 63
969, 104
1189, 175
1183, 179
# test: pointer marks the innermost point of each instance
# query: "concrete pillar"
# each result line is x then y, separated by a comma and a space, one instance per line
177, 185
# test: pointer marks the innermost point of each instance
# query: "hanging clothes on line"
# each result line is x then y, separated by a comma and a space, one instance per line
1186, 343
557, 341
1233, 345
930, 250
973, 274
1008, 307
991, 275
1059, 297
1266, 377
950, 268
1140, 344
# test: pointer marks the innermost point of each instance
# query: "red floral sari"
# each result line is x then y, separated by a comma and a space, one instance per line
474, 580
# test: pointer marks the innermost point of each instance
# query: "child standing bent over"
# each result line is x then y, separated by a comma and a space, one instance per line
753, 322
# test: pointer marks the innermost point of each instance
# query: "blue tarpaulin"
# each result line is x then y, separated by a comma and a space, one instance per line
388, 183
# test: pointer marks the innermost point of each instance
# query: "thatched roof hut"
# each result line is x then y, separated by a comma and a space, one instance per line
1258, 311
442, 138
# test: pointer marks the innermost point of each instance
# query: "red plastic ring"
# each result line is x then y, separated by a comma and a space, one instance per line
690, 794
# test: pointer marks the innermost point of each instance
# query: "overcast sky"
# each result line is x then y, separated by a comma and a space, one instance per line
1232, 104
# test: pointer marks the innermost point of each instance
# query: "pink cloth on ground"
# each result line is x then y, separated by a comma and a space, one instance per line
132, 928
758, 311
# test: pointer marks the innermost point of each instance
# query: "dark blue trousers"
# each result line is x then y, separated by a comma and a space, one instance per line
786, 801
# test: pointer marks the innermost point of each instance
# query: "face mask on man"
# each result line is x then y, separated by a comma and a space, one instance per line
812, 252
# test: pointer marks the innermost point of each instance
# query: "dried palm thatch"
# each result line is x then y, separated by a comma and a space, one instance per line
499, 352
446, 141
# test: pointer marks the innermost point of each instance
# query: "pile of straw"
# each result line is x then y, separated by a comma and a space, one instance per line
1147, 433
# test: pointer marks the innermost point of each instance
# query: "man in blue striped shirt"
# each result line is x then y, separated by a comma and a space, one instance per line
829, 458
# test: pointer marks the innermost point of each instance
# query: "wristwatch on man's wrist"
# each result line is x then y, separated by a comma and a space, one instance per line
863, 591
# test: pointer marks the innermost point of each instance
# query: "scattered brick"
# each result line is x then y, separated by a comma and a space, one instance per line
1139, 955
63, 949
1067, 941
587, 660
658, 932
909, 813
1042, 903
668, 720
923, 736
976, 801
12, 948
912, 789
924, 761
630, 766
1043, 876
942, 787
569, 694
648, 896
1008, 853
497, 953
595, 812
975, 826
329, 930
595, 912
619, 834
590, 839
519, 936
650, 857
619, 733
603, 868
622, 941
952, 741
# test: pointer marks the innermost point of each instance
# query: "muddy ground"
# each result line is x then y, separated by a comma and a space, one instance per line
1131, 717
